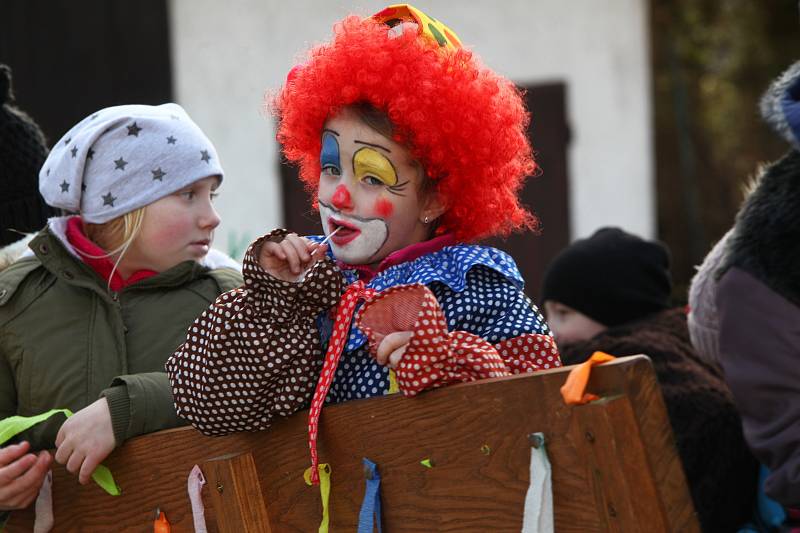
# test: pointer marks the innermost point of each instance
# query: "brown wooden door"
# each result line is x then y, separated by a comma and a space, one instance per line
546, 194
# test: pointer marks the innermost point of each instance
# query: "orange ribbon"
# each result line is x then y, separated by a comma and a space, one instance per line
574, 389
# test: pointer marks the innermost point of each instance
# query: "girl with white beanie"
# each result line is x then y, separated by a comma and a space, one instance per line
105, 295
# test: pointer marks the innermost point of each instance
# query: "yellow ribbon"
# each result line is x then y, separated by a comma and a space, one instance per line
14, 425
394, 388
324, 470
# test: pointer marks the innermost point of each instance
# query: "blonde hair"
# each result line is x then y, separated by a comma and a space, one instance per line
115, 236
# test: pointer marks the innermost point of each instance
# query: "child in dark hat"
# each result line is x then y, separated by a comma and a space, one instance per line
22, 152
607, 280
611, 292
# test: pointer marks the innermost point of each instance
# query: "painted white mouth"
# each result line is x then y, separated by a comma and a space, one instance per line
371, 234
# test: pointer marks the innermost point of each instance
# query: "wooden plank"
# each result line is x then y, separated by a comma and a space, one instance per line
656, 434
623, 482
235, 494
476, 435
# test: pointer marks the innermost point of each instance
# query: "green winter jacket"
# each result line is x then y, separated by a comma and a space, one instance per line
66, 340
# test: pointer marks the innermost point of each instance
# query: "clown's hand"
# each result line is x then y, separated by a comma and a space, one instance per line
85, 439
289, 259
392, 348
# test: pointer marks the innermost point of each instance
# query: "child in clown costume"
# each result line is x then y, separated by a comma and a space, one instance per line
413, 149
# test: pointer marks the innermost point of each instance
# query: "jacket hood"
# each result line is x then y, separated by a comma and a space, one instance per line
14, 251
766, 236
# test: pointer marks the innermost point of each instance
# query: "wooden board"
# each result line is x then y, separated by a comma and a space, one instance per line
614, 463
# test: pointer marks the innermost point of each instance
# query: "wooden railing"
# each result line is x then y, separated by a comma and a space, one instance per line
614, 464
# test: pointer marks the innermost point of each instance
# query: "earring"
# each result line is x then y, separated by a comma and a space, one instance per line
425, 220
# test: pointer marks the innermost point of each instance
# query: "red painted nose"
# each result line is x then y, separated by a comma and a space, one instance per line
341, 198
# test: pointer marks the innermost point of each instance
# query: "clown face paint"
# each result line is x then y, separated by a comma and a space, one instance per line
357, 239
368, 188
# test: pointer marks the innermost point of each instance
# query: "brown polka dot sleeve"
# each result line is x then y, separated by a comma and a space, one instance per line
254, 354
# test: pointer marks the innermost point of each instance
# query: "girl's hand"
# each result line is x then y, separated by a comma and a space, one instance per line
21, 475
289, 259
392, 348
85, 439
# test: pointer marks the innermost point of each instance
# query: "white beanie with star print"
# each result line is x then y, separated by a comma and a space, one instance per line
126, 157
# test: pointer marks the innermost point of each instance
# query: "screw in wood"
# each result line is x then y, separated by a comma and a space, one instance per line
219, 487
611, 511
590, 437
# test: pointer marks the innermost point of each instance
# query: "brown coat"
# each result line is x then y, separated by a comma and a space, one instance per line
719, 468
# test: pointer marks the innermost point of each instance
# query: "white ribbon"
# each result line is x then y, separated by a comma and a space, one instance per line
538, 516
43, 522
195, 486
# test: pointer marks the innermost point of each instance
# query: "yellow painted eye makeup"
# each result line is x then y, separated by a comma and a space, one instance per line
370, 162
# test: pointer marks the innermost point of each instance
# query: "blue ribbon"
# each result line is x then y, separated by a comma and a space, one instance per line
370, 514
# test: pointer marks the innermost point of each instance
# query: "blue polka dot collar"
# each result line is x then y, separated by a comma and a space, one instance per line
450, 266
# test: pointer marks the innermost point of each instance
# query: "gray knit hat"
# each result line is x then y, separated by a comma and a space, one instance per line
703, 319
126, 157
780, 105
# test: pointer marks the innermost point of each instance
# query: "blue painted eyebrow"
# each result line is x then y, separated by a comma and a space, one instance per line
329, 155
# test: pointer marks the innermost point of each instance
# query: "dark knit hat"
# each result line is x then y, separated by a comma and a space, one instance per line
22, 152
612, 277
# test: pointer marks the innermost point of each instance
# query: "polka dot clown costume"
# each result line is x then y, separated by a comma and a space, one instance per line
274, 347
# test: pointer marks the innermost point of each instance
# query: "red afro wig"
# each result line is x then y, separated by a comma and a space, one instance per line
465, 124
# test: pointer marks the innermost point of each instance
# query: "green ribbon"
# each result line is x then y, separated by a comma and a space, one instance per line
14, 425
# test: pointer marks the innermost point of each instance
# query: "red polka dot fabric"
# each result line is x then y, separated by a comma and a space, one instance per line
434, 356
341, 328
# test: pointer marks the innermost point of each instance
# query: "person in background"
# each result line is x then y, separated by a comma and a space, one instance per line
22, 152
611, 292
758, 303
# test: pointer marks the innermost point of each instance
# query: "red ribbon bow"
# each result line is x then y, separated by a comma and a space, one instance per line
341, 330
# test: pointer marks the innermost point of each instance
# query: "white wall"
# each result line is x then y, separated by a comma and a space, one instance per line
227, 54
